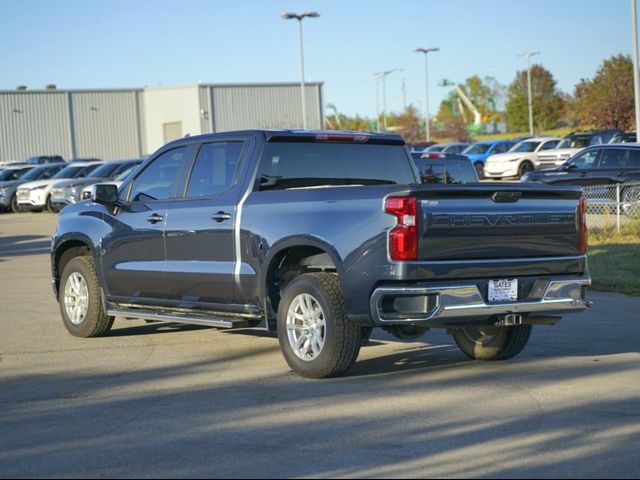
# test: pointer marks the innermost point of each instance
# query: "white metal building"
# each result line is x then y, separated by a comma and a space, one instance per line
133, 122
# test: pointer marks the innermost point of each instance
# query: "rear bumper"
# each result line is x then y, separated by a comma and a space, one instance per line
450, 304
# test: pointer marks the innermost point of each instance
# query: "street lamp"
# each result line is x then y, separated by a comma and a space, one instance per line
529, 55
426, 85
382, 76
299, 17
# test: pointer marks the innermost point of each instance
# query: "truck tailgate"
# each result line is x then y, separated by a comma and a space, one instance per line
493, 221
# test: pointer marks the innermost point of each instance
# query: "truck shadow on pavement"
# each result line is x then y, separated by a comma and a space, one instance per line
20, 245
196, 419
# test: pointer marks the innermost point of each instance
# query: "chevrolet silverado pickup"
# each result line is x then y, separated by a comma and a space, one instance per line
320, 236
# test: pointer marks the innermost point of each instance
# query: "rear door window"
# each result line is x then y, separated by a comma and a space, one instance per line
215, 169
614, 158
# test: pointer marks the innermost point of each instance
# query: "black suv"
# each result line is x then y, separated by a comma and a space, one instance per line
598, 165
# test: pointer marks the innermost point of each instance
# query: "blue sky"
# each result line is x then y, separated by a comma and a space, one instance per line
130, 43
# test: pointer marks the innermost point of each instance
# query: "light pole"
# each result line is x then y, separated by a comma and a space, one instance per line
299, 17
426, 86
383, 76
529, 55
636, 79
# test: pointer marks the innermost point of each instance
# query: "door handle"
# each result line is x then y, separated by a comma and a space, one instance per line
155, 218
221, 217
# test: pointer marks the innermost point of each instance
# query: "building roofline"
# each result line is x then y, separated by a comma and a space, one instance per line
142, 89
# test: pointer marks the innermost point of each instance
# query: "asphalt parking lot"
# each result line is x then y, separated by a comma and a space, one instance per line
161, 400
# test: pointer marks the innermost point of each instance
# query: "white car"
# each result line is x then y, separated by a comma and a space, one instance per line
572, 144
520, 159
36, 196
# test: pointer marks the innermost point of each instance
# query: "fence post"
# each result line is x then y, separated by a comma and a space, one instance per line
619, 207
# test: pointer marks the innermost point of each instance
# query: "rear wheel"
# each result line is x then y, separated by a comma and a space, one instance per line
525, 167
80, 301
316, 336
492, 343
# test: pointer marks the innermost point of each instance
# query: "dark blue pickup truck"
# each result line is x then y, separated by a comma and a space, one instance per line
322, 236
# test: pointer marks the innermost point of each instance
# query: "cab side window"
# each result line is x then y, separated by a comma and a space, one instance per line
550, 145
157, 181
215, 169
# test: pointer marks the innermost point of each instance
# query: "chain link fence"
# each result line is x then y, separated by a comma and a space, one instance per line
612, 209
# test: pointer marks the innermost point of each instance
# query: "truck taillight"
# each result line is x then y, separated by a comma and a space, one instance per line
403, 238
583, 235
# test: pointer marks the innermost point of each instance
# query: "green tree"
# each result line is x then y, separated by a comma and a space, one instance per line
607, 101
547, 100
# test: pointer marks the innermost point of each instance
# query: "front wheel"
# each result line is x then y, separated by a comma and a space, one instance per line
80, 302
525, 167
14, 208
316, 337
492, 343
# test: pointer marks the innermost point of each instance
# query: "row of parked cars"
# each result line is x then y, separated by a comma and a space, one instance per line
52, 185
502, 159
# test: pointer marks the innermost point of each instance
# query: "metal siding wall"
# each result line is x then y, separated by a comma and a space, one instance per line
106, 124
269, 106
40, 125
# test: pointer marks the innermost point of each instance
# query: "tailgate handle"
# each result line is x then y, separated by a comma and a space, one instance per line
504, 197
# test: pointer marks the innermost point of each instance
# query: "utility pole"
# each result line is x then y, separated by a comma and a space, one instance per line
300, 17
636, 79
382, 76
426, 52
529, 55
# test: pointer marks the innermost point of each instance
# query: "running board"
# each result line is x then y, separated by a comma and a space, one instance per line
178, 317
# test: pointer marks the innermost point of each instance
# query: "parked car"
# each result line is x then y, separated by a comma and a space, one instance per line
420, 146
520, 159
572, 144
8, 188
456, 148
117, 181
44, 159
444, 168
479, 152
69, 191
599, 165
85, 160
624, 137
36, 196
322, 236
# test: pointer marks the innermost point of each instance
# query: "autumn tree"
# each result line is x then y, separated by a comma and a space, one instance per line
607, 101
547, 100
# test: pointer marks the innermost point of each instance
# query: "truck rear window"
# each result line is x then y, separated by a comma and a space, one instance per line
290, 165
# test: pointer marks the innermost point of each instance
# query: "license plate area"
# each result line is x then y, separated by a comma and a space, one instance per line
505, 290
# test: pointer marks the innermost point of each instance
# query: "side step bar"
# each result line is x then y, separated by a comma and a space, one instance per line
178, 317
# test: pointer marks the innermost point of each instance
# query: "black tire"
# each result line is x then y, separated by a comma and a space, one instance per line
14, 208
342, 338
498, 343
525, 167
96, 322
48, 205
479, 170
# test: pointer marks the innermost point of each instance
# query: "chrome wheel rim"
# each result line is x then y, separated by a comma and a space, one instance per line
76, 298
306, 328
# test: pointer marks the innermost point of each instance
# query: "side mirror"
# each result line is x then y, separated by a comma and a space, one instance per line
568, 166
105, 194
